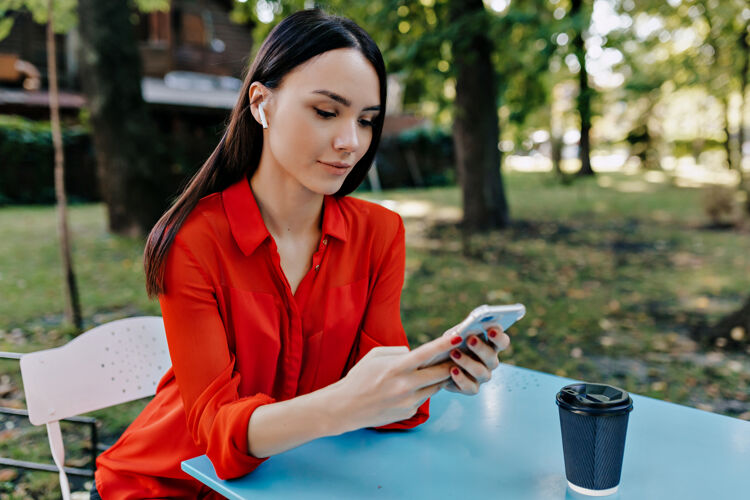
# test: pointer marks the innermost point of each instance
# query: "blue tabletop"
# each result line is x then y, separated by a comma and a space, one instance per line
504, 443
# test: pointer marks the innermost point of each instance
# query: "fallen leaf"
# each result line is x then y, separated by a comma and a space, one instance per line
658, 386
78, 462
9, 434
607, 341
660, 345
575, 293
8, 475
735, 366
702, 302
12, 403
737, 333
7, 389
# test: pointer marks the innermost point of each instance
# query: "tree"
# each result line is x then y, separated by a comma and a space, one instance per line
131, 162
648, 73
72, 304
581, 17
744, 48
475, 123
720, 31
47, 14
723, 25
59, 16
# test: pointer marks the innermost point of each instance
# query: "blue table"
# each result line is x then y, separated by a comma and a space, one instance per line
504, 443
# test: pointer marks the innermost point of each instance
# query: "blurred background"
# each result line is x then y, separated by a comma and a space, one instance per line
588, 158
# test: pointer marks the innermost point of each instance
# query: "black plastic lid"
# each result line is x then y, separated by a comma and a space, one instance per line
594, 399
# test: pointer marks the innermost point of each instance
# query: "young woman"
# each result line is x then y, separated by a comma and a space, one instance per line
280, 295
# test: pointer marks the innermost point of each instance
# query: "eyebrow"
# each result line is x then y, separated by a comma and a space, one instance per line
343, 100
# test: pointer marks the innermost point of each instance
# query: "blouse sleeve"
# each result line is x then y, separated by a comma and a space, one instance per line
217, 418
381, 325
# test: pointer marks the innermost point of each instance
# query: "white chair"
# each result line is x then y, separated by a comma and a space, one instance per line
108, 365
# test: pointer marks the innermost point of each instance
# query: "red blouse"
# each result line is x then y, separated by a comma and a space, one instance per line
239, 338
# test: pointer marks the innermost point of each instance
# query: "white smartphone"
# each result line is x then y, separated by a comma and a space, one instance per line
477, 323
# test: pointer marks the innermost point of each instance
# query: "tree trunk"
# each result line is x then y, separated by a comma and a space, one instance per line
556, 133
130, 163
556, 146
413, 165
741, 131
475, 127
651, 156
745, 51
579, 16
72, 304
728, 135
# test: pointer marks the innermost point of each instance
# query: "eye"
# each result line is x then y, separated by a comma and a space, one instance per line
324, 114
365, 123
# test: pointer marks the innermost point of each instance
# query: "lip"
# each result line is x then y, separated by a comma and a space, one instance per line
336, 164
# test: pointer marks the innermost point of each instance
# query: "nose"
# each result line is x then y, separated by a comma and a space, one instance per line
347, 137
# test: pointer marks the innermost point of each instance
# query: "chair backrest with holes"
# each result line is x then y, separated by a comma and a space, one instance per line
110, 364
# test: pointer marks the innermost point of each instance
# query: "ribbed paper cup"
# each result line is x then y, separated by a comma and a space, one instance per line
593, 423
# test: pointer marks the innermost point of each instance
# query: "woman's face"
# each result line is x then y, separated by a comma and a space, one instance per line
320, 119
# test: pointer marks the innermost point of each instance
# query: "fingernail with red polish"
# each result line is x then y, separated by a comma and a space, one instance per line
456, 340
455, 371
473, 341
492, 333
456, 354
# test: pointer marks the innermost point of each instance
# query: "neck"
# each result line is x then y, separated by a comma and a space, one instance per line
287, 207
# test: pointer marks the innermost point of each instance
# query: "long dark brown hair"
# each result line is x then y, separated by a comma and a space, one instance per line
296, 39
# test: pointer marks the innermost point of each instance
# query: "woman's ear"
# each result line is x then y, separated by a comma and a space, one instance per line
258, 95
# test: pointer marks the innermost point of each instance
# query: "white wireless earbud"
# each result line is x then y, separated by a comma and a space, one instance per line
262, 115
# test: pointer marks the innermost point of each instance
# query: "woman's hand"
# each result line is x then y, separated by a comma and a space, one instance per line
387, 384
474, 368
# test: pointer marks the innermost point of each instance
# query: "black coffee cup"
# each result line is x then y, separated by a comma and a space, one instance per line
593, 422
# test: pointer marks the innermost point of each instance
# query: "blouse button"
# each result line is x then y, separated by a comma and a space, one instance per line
317, 267
325, 241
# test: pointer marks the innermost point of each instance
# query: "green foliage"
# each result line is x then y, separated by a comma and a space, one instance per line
423, 54
27, 174
668, 46
523, 38
431, 135
655, 57
6, 24
426, 152
30, 128
417, 39
65, 14
152, 5
27, 153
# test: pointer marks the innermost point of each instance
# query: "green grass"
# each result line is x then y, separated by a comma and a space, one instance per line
615, 280
615, 283
108, 268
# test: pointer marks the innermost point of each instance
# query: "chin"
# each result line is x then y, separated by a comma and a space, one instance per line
326, 188
333, 190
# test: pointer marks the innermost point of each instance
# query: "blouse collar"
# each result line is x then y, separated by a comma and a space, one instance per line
248, 228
